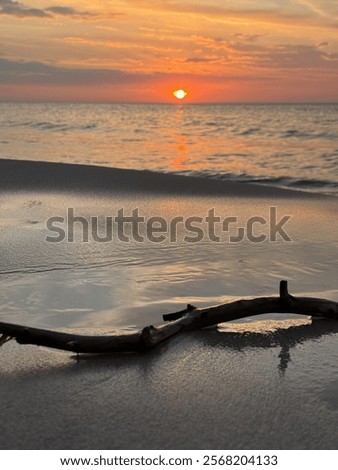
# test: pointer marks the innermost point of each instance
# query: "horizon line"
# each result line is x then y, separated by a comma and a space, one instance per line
166, 103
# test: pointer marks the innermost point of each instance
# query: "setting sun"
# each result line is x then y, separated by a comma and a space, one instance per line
180, 94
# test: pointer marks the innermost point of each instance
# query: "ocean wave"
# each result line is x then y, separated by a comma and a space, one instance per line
301, 184
51, 126
309, 134
250, 131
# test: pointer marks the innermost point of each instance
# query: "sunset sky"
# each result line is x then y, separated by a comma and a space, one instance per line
142, 50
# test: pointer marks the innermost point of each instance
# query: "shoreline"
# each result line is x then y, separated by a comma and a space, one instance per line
21, 175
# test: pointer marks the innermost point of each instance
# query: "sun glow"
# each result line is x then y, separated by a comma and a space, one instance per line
180, 94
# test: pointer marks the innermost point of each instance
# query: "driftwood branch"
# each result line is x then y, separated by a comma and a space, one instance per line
191, 318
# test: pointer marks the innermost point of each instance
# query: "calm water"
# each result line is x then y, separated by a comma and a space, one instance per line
284, 145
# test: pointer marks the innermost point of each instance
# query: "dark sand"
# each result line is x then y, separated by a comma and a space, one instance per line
208, 390
28, 175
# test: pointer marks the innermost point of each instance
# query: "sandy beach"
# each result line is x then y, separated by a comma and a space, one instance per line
264, 383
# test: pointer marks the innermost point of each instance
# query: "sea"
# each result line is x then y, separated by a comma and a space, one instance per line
285, 145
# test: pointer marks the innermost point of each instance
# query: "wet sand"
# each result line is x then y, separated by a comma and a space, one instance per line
265, 383
207, 390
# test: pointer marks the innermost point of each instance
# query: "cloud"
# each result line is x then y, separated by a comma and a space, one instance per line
66, 11
248, 37
20, 10
8, 7
326, 8
38, 73
282, 56
301, 13
298, 57
220, 9
197, 60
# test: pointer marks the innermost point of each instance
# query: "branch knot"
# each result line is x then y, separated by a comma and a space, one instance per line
176, 315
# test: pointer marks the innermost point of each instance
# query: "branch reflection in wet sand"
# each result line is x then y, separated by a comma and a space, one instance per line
269, 334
